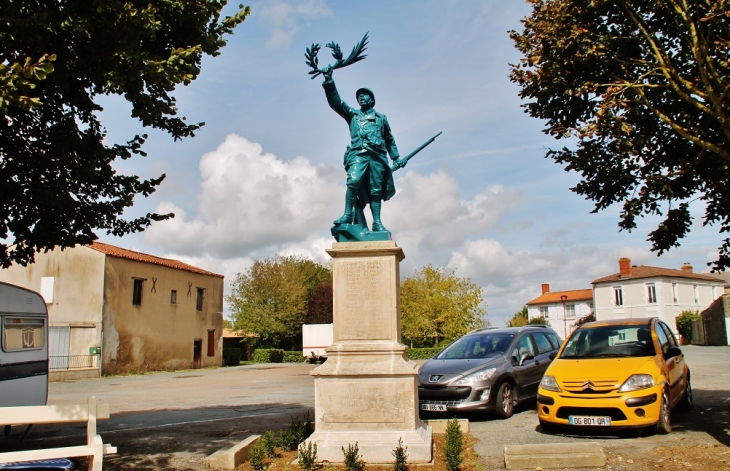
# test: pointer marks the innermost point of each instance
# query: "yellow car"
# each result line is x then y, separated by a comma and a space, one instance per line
617, 373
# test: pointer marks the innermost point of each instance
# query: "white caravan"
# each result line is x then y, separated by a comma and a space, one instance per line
23, 348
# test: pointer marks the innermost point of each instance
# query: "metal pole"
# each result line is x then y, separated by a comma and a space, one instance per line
564, 298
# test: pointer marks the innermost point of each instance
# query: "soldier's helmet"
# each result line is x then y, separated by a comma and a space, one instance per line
365, 90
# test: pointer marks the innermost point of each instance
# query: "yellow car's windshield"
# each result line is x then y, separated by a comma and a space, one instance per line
610, 341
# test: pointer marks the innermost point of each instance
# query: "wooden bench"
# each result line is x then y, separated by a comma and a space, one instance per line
94, 449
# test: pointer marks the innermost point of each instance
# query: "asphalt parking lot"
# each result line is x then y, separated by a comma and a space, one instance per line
172, 420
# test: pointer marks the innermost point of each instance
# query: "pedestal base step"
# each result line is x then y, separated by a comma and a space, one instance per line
374, 446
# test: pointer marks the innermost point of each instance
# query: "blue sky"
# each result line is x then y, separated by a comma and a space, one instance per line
265, 176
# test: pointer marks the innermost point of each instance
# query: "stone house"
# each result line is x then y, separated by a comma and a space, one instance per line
561, 317
715, 321
645, 291
113, 310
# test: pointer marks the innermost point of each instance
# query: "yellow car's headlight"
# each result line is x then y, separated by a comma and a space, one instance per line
477, 377
636, 382
549, 383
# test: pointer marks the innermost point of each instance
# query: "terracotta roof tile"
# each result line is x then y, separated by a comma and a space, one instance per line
228, 333
573, 295
643, 271
118, 252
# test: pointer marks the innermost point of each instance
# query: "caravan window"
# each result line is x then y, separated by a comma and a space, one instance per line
23, 333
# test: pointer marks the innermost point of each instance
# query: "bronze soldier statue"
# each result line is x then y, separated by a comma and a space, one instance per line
369, 175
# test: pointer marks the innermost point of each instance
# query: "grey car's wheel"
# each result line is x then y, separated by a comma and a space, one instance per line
505, 401
664, 425
687, 402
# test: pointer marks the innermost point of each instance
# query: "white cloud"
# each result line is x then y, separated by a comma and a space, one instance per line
429, 214
283, 19
250, 201
511, 279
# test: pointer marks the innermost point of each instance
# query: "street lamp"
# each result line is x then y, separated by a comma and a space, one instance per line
564, 298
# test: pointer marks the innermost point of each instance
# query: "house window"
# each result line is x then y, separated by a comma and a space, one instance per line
675, 293
618, 296
137, 292
651, 293
211, 343
199, 299
47, 283
173, 296
570, 310
544, 312
696, 290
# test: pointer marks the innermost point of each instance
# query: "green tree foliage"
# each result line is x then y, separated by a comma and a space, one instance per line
684, 323
538, 321
436, 305
56, 59
519, 318
583, 320
271, 298
643, 88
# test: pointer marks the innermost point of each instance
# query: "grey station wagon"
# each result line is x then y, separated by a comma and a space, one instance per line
487, 370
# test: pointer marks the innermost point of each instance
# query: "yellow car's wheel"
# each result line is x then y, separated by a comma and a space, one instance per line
664, 425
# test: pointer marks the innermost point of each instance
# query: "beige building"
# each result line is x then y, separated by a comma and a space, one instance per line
113, 310
644, 291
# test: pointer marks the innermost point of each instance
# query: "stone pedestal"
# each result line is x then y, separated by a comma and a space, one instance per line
366, 391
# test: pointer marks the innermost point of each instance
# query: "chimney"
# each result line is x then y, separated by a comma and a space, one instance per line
545, 288
687, 268
624, 267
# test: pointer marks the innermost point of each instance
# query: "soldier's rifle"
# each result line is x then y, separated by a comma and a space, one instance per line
419, 149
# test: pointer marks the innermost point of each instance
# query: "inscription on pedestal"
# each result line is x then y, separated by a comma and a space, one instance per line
358, 402
364, 314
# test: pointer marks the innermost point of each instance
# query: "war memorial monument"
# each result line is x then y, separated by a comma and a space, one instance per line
366, 392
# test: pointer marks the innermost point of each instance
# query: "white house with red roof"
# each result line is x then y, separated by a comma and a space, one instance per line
645, 291
113, 310
562, 309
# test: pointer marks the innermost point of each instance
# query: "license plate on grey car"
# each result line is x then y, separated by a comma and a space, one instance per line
433, 407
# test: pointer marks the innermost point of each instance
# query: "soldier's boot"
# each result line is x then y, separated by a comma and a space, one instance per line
360, 216
349, 215
375, 209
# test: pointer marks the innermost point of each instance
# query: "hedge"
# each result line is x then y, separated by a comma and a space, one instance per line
231, 356
277, 355
422, 353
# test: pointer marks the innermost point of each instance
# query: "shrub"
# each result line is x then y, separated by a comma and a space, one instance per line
538, 321
231, 356
287, 439
268, 355
589, 318
298, 429
257, 456
268, 441
353, 460
401, 457
294, 357
422, 353
452, 447
684, 323
308, 456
